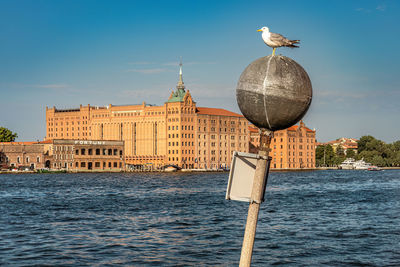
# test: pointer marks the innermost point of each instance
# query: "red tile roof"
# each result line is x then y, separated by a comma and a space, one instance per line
217, 111
46, 142
27, 143
253, 129
295, 127
18, 143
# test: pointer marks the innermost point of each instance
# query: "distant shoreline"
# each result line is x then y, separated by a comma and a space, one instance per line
187, 171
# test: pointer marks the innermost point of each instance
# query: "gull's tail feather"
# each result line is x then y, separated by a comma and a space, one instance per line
293, 42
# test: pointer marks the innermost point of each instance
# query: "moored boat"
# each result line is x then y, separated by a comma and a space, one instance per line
361, 165
374, 168
347, 164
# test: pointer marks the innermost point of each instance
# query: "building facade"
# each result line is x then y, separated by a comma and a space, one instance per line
292, 148
177, 133
345, 143
86, 155
64, 154
22, 155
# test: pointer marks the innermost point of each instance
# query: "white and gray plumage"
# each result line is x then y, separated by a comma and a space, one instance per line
275, 40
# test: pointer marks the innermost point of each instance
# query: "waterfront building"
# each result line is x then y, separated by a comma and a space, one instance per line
64, 154
345, 143
176, 133
292, 148
22, 155
86, 155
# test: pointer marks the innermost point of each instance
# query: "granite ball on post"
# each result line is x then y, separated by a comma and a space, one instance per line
274, 92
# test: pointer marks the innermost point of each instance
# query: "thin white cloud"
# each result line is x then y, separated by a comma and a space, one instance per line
187, 63
148, 71
143, 93
340, 94
361, 9
155, 68
140, 63
52, 86
381, 7
170, 63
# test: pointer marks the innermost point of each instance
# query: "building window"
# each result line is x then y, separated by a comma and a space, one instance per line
38, 159
82, 153
97, 151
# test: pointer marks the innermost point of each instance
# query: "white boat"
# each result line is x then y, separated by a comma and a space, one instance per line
361, 165
170, 169
347, 164
351, 164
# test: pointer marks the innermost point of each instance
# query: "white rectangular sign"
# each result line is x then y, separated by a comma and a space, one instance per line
241, 176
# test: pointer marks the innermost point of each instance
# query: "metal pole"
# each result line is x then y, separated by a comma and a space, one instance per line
260, 180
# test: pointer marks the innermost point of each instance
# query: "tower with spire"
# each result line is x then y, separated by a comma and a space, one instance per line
180, 92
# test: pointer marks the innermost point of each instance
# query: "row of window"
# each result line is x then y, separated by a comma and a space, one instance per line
26, 159
225, 122
183, 136
176, 127
98, 151
67, 134
183, 152
67, 129
183, 143
183, 110
89, 165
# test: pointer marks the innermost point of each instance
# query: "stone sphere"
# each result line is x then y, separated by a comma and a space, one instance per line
274, 92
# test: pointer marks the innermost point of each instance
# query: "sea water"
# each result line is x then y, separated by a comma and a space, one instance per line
331, 218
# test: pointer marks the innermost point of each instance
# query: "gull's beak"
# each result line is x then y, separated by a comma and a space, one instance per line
259, 30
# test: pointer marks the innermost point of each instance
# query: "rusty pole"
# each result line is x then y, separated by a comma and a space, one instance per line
260, 180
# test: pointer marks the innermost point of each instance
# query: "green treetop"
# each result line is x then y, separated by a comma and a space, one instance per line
6, 135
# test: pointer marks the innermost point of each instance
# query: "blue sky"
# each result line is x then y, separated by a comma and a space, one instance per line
66, 53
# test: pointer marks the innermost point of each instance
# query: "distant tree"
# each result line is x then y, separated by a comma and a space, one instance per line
340, 151
396, 159
396, 146
362, 143
350, 153
324, 155
319, 155
378, 161
6, 135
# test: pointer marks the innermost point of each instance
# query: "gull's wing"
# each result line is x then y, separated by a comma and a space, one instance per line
279, 39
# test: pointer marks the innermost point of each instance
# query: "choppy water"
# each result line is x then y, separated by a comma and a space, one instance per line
331, 218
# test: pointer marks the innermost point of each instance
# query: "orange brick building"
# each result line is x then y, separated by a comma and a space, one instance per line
177, 133
22, 155
292, 148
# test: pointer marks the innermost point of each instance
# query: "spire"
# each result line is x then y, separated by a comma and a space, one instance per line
180, 85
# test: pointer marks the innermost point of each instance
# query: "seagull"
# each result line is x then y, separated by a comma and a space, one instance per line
275, 40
